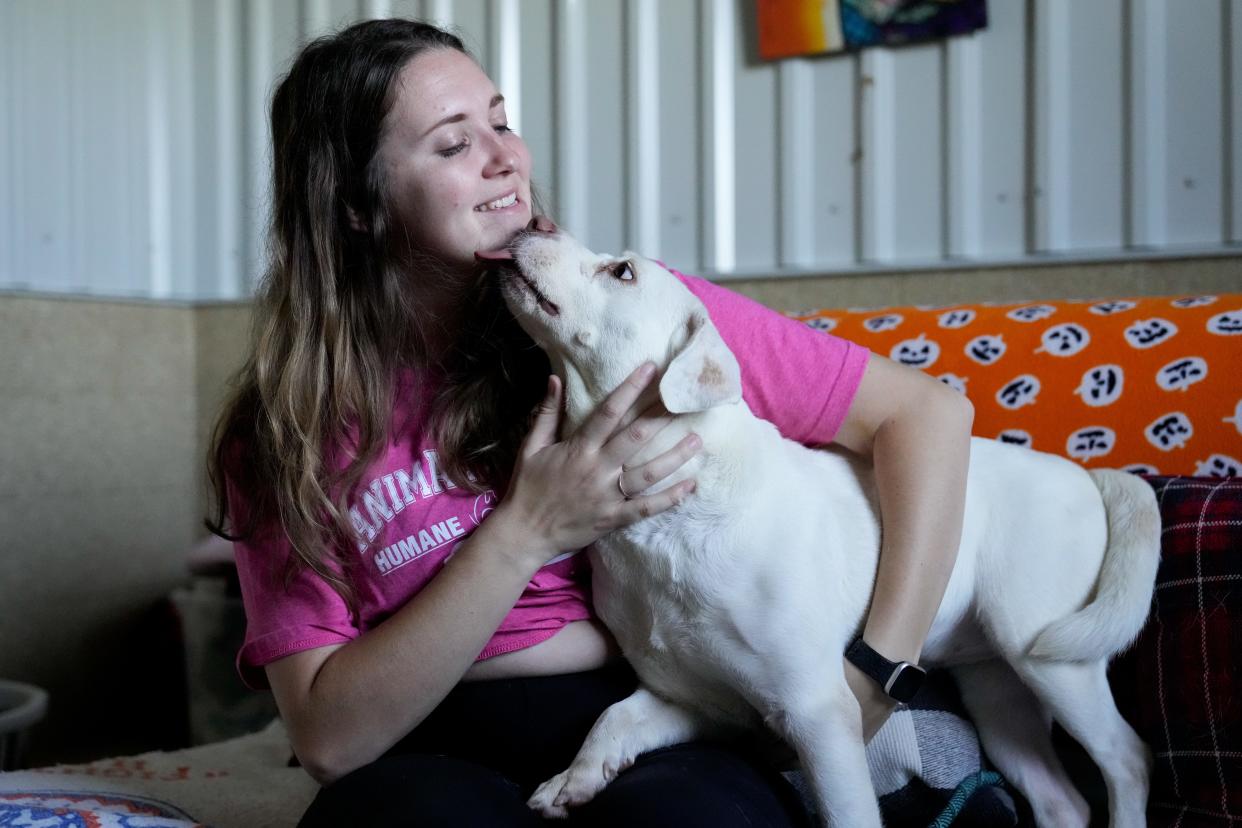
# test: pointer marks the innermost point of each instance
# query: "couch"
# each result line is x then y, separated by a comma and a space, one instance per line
1145, 384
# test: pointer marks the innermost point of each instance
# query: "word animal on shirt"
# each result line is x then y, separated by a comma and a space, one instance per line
387, 495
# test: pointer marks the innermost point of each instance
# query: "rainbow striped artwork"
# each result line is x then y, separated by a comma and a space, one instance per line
799, 27
790, 28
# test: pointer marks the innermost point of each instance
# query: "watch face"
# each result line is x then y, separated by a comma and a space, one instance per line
907, 682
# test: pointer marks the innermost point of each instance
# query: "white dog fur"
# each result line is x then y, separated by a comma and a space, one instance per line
736, 606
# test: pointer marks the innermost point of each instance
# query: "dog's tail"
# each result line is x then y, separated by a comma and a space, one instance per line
1112, 621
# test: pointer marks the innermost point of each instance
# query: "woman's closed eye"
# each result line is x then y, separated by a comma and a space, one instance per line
453, 150
449, 152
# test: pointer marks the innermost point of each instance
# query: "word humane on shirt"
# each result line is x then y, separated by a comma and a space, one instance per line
416, 545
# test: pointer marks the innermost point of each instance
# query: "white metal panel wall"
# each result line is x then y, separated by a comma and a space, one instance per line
671, 98
903, 180
1180, 115
818, 163
602, 126
1079, 134
1193, 163
986, 158
1232, 27
535, 115
41, 216
8, 150
134, 137
755, 111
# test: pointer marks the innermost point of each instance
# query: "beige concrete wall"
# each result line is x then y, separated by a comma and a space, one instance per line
221, 334
105, 411
98, 502
1053, 281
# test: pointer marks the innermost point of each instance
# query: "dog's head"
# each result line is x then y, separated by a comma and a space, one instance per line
599, 317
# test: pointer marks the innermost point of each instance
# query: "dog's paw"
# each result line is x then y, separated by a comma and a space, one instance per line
544, 798
576, 786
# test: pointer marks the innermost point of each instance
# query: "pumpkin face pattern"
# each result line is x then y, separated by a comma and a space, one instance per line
917, 353
1226, 324
1065, 340
1136, 383
1102, 385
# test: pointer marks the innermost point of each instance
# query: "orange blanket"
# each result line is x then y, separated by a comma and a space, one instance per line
1149, 384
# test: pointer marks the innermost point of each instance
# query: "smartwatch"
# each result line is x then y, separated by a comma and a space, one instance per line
901, 680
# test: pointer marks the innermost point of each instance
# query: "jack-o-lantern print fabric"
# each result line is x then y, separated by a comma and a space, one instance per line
1149, 384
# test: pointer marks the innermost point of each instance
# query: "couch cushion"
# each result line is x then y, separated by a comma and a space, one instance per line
1180, 685
245, 781
1142, 383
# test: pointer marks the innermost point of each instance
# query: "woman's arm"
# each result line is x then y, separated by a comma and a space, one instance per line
344, 705
917, 432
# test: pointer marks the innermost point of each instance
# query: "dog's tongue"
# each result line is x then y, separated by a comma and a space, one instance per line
501, 255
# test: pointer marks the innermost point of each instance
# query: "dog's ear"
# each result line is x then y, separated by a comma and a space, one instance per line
704, 374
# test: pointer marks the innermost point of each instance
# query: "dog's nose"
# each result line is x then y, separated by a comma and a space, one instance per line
541, 224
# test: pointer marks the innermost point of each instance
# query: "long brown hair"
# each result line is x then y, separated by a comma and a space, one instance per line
335, 322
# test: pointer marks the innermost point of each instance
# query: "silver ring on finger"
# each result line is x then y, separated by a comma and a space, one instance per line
621, 485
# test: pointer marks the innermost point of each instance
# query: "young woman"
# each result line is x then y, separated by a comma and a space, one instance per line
405, 526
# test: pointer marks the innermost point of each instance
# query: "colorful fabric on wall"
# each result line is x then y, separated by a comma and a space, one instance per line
799, 27
789, 28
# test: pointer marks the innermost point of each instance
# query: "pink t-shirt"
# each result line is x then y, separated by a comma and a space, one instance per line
408, 517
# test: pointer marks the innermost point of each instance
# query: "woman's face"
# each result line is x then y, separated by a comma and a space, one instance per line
458, 178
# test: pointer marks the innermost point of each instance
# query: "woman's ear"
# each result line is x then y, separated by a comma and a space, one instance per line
355, 221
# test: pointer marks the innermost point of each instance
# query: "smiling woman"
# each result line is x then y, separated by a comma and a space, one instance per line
429, 635
384, 406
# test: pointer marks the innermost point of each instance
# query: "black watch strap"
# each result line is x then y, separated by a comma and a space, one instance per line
901, 680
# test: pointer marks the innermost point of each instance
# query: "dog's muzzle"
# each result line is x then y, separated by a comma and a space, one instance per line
503, 261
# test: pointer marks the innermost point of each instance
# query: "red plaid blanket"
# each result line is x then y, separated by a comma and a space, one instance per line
1179, 686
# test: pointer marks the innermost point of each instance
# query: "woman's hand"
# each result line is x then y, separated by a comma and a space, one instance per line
565, 494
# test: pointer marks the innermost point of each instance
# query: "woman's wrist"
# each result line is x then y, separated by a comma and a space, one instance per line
516, 539
894, 642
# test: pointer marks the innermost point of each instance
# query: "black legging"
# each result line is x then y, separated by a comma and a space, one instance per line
478, 757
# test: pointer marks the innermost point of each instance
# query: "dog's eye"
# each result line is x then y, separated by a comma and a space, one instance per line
623, 271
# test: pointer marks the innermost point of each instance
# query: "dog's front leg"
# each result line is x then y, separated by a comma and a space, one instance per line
826, 731
637, 724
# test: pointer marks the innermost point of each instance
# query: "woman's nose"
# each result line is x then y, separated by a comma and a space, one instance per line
503, 158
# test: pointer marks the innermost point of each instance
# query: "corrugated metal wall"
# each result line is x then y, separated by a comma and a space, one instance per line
133, 145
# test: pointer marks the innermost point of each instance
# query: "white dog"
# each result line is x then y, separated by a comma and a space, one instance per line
736, 606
